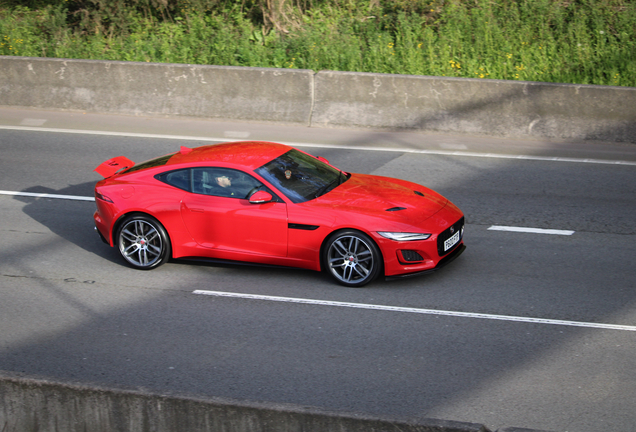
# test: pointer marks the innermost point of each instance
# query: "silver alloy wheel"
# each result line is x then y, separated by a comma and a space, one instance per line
351, 260
140, 243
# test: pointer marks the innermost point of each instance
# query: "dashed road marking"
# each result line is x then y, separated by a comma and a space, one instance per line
236, 134
531, 230
47, 195
32, 122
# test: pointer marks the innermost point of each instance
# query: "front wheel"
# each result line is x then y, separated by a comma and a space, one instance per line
352, 258
142, 242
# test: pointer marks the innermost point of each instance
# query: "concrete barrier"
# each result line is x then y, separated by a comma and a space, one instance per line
35, 405
323, 99
475, 106
253, 94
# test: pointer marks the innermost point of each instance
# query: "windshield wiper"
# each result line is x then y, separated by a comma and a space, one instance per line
325, 189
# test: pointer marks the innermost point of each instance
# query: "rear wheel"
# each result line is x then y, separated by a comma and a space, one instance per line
352, 258
142, 242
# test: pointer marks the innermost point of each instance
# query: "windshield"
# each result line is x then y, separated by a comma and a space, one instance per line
301, 177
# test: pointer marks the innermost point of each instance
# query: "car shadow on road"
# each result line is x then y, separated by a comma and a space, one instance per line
67, 214
75, 224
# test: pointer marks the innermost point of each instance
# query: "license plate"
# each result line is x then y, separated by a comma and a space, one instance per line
452, 241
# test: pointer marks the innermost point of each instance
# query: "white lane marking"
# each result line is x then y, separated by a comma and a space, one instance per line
119, 134
418, 311
531, 230
236, 134
32, 122
451, 146
331, 146
48, 195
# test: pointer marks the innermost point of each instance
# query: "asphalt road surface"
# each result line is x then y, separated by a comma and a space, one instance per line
533, 326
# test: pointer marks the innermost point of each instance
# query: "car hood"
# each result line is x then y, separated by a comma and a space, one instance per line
388, 197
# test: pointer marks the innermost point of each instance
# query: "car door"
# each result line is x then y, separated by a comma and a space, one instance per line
218, 213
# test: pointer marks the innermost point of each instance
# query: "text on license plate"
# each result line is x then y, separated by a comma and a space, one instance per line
452, 241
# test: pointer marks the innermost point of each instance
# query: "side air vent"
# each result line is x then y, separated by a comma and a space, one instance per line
396, 208
411, 256
418, 193
303, 227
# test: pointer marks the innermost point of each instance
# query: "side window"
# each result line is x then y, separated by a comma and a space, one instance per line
223, 182
179, 179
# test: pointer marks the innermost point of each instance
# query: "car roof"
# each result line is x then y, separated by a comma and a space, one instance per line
248, 154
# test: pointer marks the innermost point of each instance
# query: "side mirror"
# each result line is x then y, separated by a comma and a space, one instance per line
261, 197
322, 159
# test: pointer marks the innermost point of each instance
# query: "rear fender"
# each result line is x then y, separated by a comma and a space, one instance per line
123, 216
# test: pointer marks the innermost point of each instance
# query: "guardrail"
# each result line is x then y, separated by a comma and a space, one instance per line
323, 99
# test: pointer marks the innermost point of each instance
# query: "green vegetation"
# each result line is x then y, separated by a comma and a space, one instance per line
567, 41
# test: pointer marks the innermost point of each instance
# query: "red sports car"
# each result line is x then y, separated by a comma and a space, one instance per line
268, 203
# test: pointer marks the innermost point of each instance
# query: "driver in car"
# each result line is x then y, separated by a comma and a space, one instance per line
224, 181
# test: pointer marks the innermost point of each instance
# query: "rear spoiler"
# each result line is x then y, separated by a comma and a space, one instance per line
112, 166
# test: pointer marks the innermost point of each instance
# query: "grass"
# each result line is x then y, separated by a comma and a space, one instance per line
570, 41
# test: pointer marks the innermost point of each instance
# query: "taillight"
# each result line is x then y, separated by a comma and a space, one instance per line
102, 197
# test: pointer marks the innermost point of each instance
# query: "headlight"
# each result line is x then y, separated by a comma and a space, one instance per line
401, 236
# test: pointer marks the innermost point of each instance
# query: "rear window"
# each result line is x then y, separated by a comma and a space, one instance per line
160, 161
179, 179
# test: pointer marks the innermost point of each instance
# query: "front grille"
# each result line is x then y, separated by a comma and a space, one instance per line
457, 227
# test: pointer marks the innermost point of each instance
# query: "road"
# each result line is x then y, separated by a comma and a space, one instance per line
533, 326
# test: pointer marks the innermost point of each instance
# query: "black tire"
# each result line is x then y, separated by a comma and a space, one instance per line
352, 258
143, 242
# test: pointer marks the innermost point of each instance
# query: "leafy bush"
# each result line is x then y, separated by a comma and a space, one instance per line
578, 41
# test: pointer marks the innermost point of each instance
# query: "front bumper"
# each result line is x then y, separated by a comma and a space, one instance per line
459, 249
